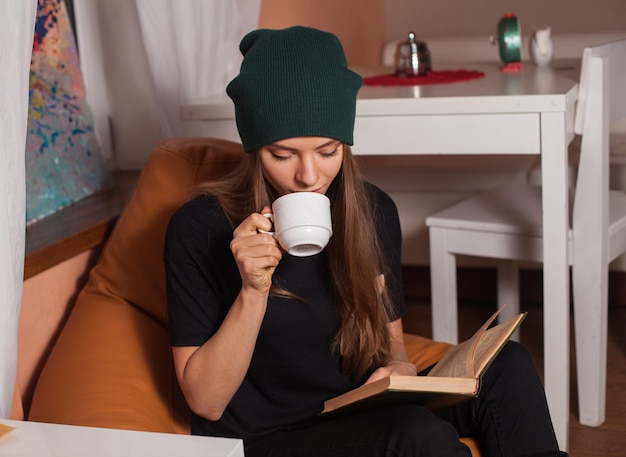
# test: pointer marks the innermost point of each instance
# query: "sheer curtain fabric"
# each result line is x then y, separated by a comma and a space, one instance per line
17, 25
192, 49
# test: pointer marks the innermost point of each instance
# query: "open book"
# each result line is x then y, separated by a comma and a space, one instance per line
454, 378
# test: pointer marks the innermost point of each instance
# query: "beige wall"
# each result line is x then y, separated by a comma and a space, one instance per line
359, 24
479, 17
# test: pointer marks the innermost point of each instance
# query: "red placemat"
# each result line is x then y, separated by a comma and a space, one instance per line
434, 77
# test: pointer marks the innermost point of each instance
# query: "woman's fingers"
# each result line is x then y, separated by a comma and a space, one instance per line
257, 254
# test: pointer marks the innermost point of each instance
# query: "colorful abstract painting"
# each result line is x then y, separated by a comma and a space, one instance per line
63, 158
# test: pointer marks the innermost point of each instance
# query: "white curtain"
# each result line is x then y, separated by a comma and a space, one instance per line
193, 49
17, 25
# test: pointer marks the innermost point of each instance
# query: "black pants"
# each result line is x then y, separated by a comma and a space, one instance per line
509, 418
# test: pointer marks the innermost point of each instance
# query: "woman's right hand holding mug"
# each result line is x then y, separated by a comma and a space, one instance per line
257, 254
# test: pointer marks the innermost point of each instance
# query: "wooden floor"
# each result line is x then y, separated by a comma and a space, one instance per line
608, 440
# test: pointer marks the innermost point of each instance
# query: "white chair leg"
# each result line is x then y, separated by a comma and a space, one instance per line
443, 288
508, 292
590, 324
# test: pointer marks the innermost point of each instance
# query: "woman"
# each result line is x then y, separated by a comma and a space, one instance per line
260, 338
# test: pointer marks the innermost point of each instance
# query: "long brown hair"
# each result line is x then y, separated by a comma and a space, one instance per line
355, 260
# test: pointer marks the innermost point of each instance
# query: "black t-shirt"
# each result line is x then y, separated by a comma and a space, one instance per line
293, 368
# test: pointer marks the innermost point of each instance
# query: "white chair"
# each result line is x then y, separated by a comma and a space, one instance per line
506, 224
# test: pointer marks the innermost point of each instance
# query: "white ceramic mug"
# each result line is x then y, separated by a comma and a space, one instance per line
302, 223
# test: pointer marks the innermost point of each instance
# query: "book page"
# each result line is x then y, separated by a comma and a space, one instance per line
458, 361
490, 343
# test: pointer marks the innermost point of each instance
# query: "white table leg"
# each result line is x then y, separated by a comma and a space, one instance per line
556, 271
443, 288
508, 293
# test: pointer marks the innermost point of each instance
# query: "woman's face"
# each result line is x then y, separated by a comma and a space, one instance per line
302, 164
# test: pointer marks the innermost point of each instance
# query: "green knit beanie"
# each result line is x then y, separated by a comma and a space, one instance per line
293, 82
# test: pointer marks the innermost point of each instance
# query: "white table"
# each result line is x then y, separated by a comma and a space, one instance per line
531, 112
36, 439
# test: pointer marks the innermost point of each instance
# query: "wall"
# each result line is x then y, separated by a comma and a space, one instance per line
357, 23
479, 17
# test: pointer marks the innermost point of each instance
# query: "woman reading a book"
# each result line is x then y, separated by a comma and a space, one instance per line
261, 338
